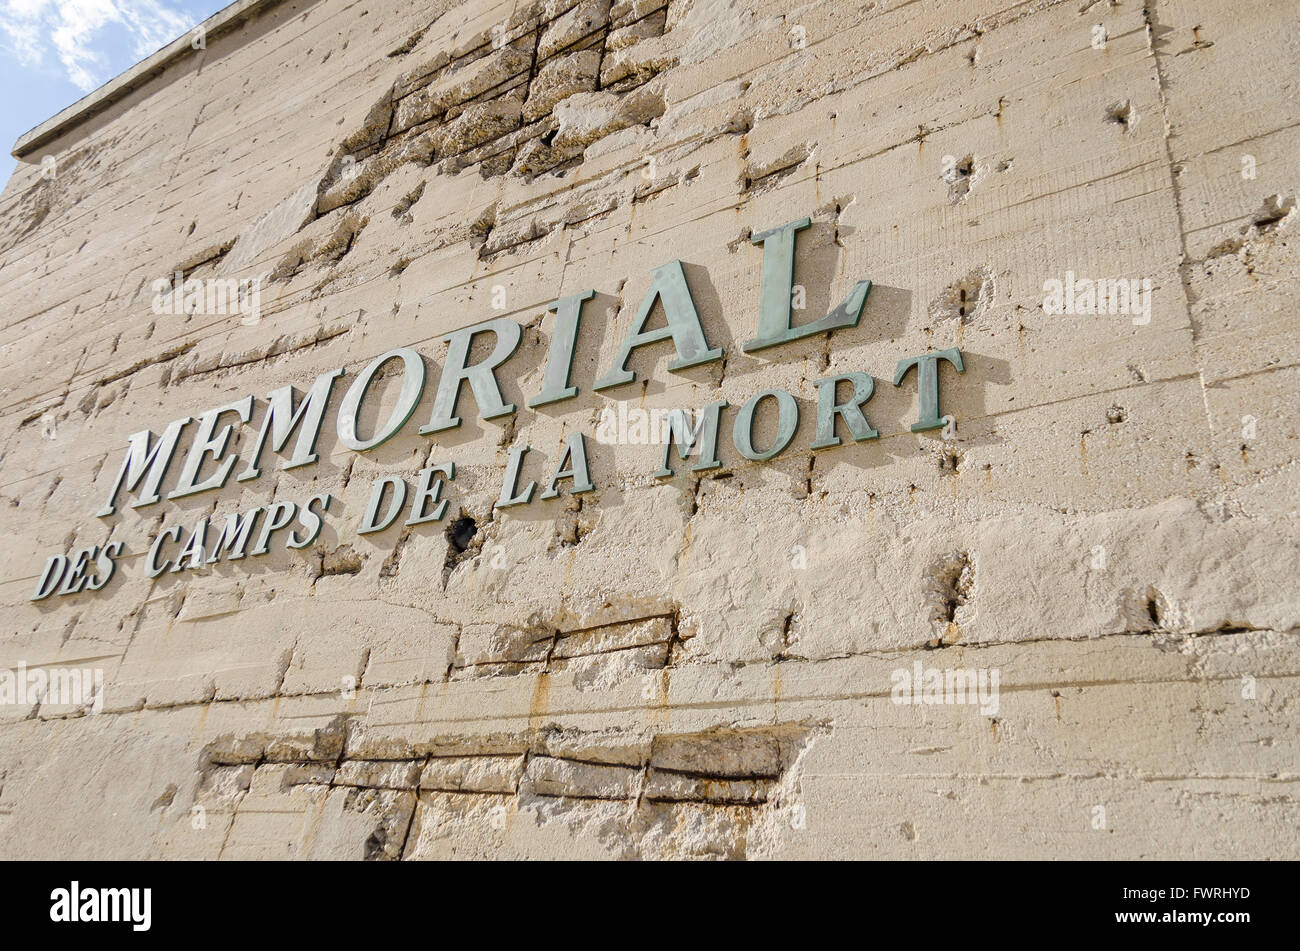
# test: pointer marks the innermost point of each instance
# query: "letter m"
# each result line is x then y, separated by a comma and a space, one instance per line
65, 686
961, 684
703, 439
282, 419
223, 296
145, 460
234, 536
1112, 296
117, 904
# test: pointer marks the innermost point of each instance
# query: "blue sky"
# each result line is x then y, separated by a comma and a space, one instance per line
53, 52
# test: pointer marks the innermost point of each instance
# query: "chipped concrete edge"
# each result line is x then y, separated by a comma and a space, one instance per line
223, 21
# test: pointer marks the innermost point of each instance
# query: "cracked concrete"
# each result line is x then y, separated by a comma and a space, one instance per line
698, 666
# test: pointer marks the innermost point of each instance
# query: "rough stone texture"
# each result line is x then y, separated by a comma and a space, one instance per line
699, 666
559, 79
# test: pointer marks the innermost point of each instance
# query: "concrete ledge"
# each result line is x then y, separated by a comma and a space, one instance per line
222, 22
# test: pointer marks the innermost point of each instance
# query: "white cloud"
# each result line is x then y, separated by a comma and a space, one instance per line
74, 32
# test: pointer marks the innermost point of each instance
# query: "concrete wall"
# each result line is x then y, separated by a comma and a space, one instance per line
702, 665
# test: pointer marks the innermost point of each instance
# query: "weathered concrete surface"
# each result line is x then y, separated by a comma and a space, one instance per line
699, 666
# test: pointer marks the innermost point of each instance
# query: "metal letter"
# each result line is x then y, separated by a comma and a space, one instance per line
482, 376
78, 564
105, 564
281, 419
559, 358
49, 577
859, 428
234, 535
576, 451
205, 443
742, 433
509, 496
310, 520
927, 384
140, 455
670, 287
192, 555
774, 310
273, 524
412, 388
151, 566
706, 432
370, 522
428, 491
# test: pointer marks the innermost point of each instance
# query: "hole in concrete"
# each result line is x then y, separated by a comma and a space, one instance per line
464, 542
339, 561
1270, 215
959, 178
374, 848
461, 532
966, 299
1122, 114
949, 586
